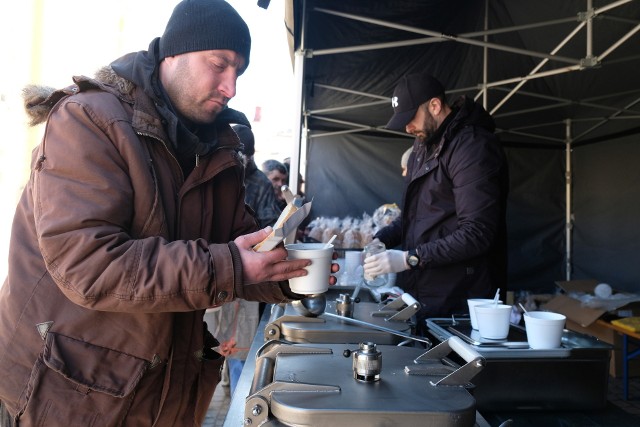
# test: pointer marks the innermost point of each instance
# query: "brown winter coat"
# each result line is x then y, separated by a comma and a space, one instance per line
114, 257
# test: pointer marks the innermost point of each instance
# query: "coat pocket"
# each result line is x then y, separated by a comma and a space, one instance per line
208, 380
77, 383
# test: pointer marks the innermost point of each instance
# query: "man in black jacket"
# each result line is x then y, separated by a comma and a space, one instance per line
452, 230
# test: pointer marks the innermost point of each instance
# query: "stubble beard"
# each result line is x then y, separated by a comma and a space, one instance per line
429, 127
185, 99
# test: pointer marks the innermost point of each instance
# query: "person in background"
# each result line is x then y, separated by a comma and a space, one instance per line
404, 161
259, 191
235, 323
133, 222
452, 230
279, 176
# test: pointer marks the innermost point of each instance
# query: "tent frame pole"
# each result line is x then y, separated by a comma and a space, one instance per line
298, 156
568, 198
298, 73
485, 59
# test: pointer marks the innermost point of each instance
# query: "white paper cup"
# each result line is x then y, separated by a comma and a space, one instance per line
493, 320
472, 304
544, 329
317, 279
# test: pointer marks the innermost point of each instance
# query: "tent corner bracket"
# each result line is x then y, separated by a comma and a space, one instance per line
589, 62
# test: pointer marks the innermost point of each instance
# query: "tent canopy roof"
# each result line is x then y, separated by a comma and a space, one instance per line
548, 71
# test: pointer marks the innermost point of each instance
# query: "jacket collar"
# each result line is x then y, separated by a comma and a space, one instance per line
467, 112
123, 78
188, 141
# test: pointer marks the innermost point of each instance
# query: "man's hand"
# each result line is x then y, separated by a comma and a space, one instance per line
271, 266
389, 261
334, 269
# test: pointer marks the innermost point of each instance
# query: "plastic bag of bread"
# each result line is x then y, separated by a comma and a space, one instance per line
333, 227
316, 229
385, 214
352, 238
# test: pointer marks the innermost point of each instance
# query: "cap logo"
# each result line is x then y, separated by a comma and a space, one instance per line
394, 102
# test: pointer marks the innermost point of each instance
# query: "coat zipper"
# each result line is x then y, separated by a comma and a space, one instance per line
148, 135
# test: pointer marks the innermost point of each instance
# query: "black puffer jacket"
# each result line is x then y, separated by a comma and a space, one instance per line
454, 214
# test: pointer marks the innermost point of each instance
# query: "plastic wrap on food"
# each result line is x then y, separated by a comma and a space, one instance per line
316, 229
352, 232
332, 228
385, 215
352, 238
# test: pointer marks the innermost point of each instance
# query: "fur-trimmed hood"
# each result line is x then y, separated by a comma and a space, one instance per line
133, 79
39, 99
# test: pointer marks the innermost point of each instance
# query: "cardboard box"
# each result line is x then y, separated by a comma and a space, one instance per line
594, 321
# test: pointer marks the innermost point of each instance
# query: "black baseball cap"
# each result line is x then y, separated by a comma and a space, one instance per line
412, 91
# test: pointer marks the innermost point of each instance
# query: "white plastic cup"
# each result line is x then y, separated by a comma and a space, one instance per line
351, 275
493, 320
472, 312
317, 279
352, 259
544, 329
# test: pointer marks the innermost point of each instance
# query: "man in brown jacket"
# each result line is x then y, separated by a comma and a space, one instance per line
132, 224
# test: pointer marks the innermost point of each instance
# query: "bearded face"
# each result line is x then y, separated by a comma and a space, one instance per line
423, 124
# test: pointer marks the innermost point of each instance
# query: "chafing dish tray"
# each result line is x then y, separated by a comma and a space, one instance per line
365, 385
516, 377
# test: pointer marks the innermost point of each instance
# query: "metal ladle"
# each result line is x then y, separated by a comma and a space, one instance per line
311, 306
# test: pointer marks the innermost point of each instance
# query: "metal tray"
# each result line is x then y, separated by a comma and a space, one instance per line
515, 345
292, 327
574, 377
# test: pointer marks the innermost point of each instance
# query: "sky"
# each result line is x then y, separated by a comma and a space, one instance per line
49, 41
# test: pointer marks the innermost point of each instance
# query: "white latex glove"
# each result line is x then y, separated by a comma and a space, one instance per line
389, 261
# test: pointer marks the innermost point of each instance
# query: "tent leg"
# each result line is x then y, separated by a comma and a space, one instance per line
568, 216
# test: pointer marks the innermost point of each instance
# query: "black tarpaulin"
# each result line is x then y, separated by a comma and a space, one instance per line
558, 77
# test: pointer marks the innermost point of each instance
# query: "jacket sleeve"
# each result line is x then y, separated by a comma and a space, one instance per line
391, 234
271, 292
477, 169
86, 211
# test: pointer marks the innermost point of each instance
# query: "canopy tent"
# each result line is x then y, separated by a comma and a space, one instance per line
558, 77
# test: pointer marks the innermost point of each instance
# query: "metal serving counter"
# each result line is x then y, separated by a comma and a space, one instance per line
298, 370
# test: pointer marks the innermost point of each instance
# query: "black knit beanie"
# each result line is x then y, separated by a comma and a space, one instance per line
205, 25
